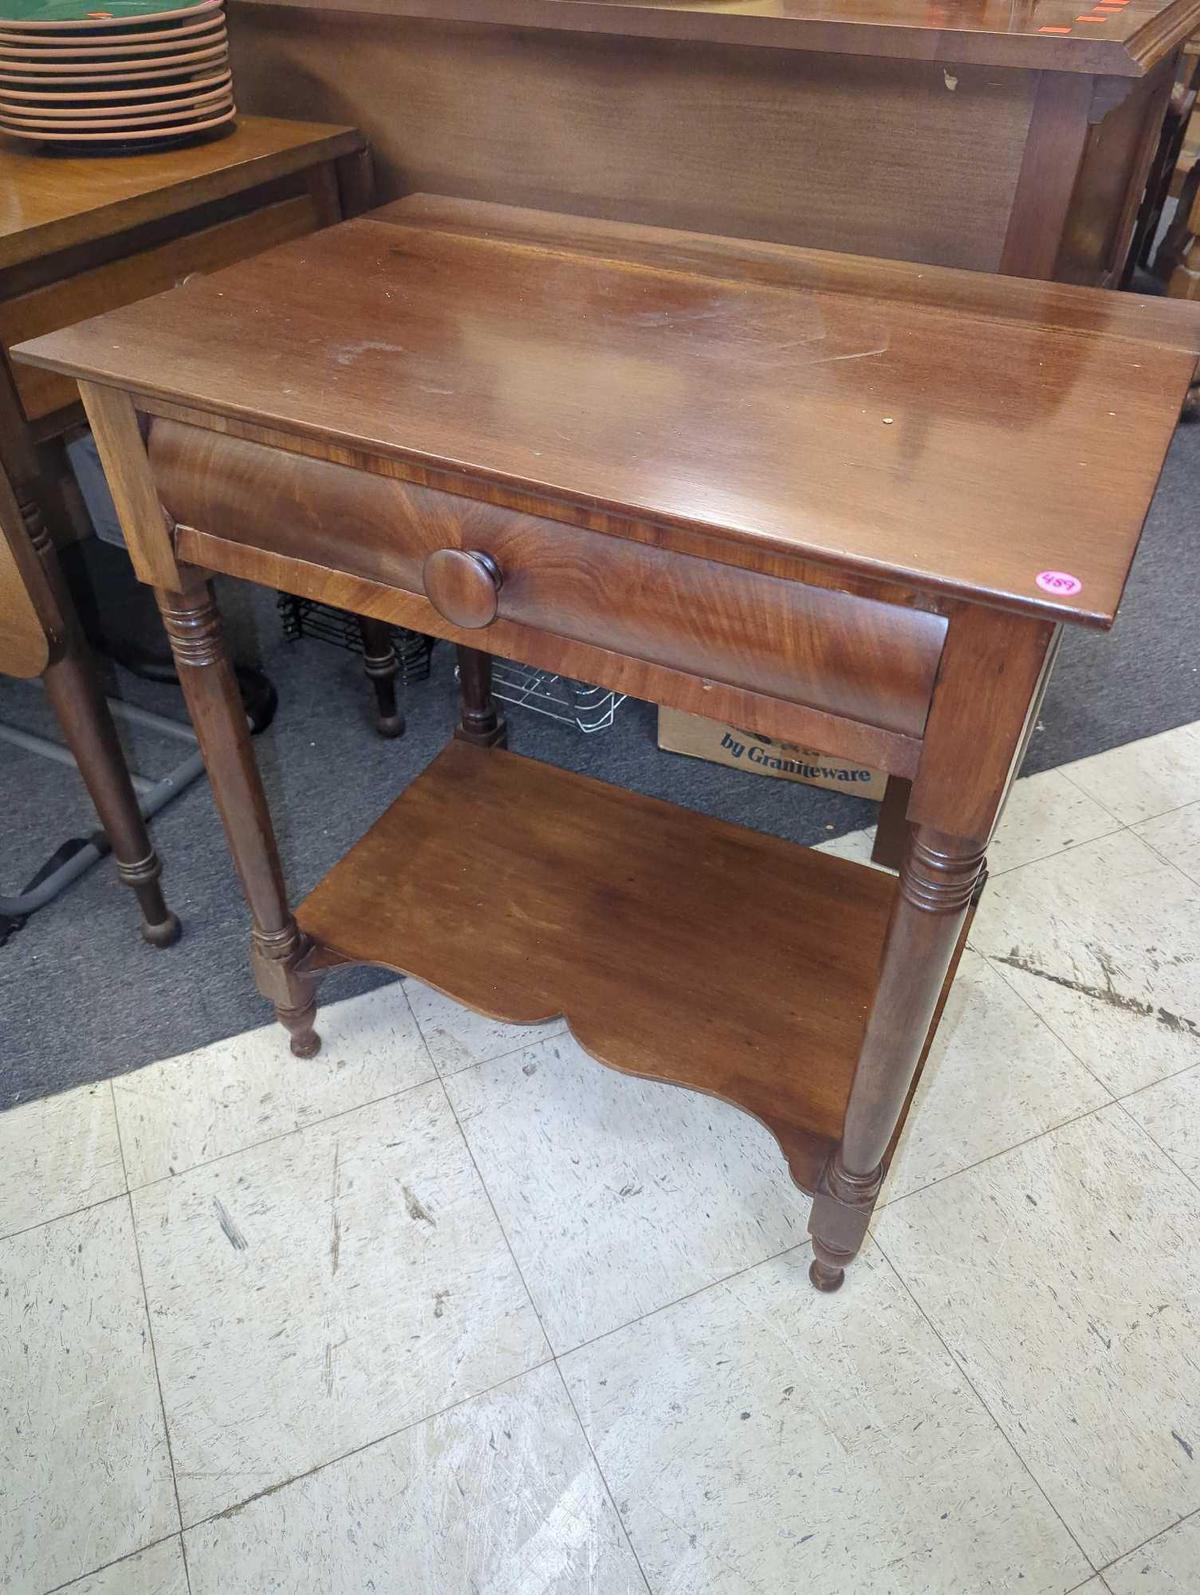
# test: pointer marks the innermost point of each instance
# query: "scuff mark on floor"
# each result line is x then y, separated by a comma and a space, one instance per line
1184, 1444
416, 1207
335, 1238
1105, 1340
232, 1233
1178, 1024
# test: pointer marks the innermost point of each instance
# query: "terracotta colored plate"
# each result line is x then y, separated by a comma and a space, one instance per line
110, 49
101, 44
83, 116
71, 69
129, 136
164, 124
57, 15
114, 96
121, 80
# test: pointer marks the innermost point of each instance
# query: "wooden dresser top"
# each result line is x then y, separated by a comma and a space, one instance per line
52, 202
961, 433
1123, 38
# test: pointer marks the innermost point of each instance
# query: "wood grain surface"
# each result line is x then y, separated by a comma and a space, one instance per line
26, 605
959, 433
1039, 33
870, 661
53, 204
136, 276
529, 891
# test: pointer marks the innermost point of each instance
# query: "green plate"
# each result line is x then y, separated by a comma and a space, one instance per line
93, 13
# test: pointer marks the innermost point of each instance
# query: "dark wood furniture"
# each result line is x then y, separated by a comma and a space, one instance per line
1001, 135
842, 501
80, 235
40, 635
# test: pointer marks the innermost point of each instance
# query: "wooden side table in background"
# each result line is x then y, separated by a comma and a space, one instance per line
81, 235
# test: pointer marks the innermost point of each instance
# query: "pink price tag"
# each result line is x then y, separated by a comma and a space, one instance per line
1059, 582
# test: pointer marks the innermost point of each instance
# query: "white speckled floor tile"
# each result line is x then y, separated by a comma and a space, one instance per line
1045, 814
156, 1571
499, 1495
763, 1439
1104, 943
1065, 1278
237, 1093
57, 1156
323, 1290
1145, 778
85, 1475
1168, 1565
995, 1076
619, 1195
1169, 1112
457, 1037
1176, 837
855, 845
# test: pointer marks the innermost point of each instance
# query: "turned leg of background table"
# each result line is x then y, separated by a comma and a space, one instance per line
382, 668
209, 685
891, 824
87, 726
938, 877
480, 722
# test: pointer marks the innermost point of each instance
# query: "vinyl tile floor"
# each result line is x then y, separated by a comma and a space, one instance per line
453, 1309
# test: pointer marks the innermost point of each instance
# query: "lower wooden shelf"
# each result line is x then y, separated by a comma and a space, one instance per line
678, 947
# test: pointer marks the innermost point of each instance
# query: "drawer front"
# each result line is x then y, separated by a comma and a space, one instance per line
133, 277
845, 655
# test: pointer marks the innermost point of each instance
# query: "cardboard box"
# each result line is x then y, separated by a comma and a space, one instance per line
747, 750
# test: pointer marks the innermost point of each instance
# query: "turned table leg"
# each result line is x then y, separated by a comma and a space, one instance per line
993, 670
87, 726
480, 721
210, 688
382, 668
938, 876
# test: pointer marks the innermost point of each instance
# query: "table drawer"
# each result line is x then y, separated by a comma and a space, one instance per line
846, 655
133, 277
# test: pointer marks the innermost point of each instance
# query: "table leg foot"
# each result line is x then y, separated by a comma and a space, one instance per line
160, 927
163, 932
298, 1022
841, 1210
381, 667
480, 722
825, 1272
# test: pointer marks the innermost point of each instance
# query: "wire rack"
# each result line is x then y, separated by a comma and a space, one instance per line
575, 703
305, 617
588, 709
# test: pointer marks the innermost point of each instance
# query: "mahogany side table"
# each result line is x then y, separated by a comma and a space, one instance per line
842, 501
83, 234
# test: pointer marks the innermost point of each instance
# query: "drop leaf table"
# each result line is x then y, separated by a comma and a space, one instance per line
847, 502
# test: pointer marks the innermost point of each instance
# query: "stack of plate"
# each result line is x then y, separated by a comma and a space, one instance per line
105, 72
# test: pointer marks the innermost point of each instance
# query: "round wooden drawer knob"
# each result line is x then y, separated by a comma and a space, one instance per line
463, 587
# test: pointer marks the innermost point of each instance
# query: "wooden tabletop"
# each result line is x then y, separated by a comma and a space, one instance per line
50, 202
1121, 37
962, 433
